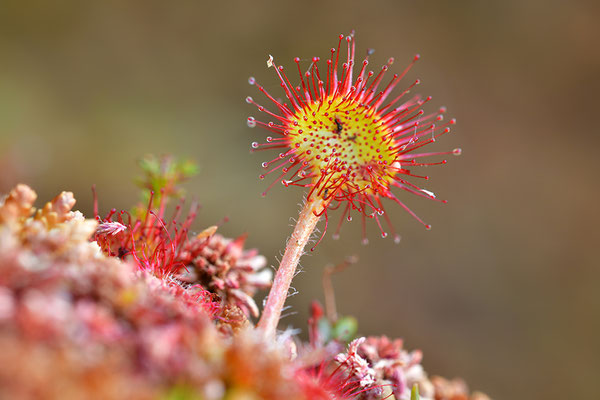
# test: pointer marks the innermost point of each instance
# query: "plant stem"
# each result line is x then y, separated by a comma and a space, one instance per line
307, 221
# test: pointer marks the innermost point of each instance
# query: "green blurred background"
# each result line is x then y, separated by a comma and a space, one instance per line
503, 291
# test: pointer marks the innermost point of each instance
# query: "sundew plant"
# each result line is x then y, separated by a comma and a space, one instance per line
346, 137
139, 304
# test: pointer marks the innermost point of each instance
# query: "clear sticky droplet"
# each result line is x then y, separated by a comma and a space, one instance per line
251, 80
384, 234
255, 145
264, 164
397, 238
249, 100
251, 122
365, 241
335, 236
428, 193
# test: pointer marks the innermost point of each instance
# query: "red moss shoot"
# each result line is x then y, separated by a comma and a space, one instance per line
339, 137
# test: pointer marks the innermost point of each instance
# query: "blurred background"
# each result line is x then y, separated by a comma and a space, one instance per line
503, 291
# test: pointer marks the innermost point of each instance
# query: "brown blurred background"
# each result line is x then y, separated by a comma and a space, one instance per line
503, 291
